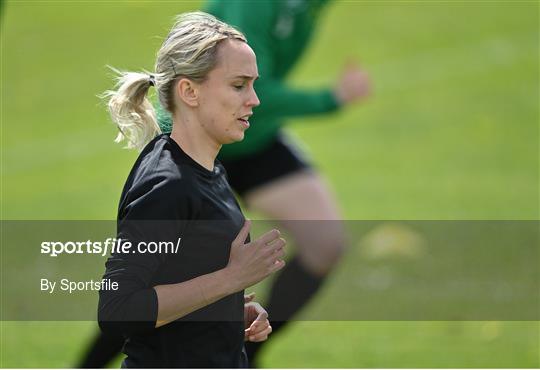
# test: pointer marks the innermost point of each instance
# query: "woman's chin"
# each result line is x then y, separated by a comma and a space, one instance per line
238, 136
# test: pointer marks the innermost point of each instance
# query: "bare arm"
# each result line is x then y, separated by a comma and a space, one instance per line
178, 300
248, 264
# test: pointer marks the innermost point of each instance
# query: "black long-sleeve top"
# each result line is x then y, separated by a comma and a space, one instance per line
168, 196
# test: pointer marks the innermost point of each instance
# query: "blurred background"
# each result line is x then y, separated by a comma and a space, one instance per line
451, 133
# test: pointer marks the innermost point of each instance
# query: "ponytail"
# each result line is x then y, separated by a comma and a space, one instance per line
131, 110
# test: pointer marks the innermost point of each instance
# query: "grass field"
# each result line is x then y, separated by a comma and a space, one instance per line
451, 133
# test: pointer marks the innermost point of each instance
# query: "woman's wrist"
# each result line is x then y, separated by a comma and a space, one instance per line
230, 280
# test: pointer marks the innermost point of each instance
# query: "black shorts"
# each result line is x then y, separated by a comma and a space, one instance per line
279, 159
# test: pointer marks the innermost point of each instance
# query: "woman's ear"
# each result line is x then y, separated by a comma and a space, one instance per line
188, 91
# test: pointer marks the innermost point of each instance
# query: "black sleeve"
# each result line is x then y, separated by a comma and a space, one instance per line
158, 214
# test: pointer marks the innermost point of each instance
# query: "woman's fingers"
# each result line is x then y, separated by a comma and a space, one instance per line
261, 335
276, 243
268, 237
277, 265
258, 326
263, 315
275, 251
256, 308
254, 261
249, 297
242, 234
272, 251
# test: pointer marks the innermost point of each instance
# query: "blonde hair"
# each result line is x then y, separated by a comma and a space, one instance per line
189, 51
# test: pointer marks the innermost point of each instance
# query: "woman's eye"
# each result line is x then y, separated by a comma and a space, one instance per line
238, 87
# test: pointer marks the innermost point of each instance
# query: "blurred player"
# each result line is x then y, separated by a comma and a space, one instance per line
267, 170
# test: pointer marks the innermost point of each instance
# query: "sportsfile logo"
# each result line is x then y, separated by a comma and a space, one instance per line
56, 248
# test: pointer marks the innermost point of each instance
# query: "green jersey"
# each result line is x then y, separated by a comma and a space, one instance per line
278, 32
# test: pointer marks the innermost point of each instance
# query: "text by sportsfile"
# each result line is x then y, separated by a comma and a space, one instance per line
56, 248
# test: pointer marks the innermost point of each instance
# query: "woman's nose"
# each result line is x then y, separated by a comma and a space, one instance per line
253, 99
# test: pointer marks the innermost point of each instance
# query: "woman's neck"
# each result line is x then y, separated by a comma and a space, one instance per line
194, 141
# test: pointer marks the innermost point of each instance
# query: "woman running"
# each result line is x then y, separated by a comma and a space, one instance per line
186, 308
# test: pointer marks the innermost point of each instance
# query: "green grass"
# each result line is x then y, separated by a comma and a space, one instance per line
450, 133
331, 344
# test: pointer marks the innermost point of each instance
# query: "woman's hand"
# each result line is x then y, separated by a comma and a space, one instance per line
256, 321
251, 262
354, 85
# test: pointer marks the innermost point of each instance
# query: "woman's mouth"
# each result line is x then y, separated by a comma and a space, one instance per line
244, 123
